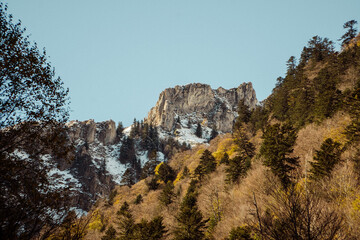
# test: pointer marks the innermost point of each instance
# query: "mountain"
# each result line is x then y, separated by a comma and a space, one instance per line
97, 166
199, 103
290, 170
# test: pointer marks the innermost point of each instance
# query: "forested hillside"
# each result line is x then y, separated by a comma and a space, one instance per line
289, 170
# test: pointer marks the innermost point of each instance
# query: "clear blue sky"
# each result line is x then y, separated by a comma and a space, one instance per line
117, 56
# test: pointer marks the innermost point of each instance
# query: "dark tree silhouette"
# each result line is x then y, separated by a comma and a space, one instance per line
34, 108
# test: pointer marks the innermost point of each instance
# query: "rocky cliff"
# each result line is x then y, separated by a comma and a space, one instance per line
199, 103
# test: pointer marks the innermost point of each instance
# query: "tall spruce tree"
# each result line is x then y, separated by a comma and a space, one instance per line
198, 131
190, 221
207, 164
325, 159
277, 146
126, 223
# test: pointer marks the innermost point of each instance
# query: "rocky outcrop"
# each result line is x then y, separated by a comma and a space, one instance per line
104, 132
198, 102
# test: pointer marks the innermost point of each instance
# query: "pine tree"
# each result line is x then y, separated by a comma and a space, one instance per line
110, 234
237, 168
277, 146
244, 147
243, 114
164, 172
207, 164
198, 131
126, 222
191, 225
240, 233
213, 133
152, 230
351, 32
225, 159
325, 159
167, 194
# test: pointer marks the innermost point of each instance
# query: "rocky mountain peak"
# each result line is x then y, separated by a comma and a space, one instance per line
199, 103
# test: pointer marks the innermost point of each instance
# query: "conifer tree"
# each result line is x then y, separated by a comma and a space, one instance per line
198, 131
277, 146
325, 159
351, 32
190, 221
126, 222
237, 168
110, 234
165, 173
167, 194
152, 230
207, 164
243, 114
225, 159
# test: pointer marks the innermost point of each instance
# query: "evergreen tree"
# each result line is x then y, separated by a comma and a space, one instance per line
240, 233
152, 230
325, 159
165, 173
350, 34
119, 131
152, 184
129, 177
126, 222
198, 131
167, 194
237, 168
277, 146
139, 199
191, 225
110, 234
207, 164
244, 147
213, 133
225, 159
243, 114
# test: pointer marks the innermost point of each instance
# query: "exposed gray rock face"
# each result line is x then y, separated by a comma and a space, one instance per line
216, 108
104, 132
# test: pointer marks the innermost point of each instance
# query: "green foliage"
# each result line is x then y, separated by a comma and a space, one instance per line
166, 173
243, 114
325, 159
225, 159
240, 233
167, 194
191, 225
198, 131
350, 33
126, 222
207, 165
213, 133
237, 168
128, 230
110, 234
152, 230
34, 100
277, 146
244, 147
139, 199
152, 184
